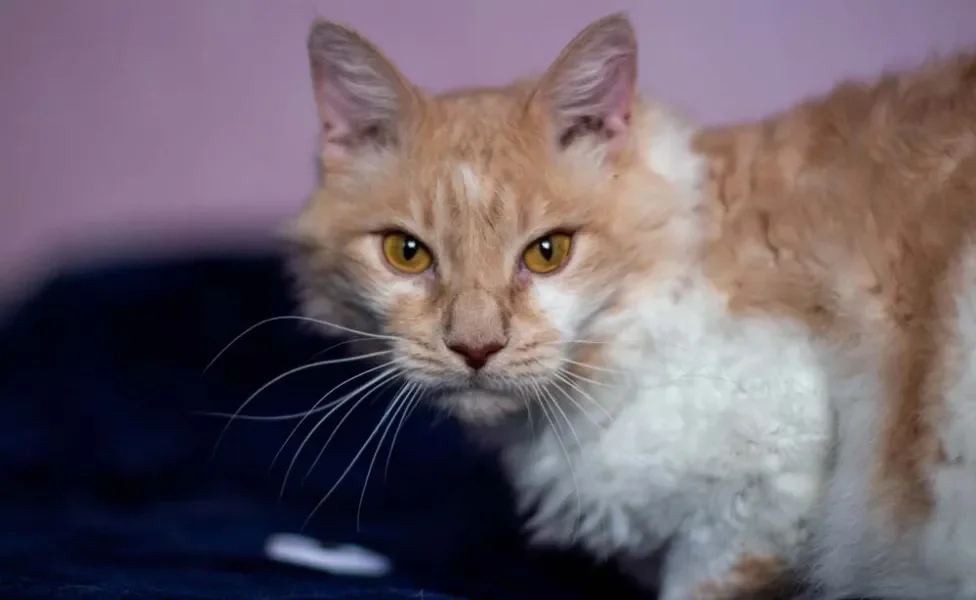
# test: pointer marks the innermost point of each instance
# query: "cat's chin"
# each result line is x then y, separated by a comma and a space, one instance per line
479, 407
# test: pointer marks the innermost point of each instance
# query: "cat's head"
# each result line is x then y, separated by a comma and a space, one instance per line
488, 233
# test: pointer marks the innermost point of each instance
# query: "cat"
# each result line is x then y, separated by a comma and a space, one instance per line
729, 359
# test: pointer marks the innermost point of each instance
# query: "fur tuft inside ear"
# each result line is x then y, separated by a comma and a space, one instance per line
361, 95
589, 90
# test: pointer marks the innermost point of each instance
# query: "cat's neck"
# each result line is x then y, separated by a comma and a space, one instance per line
667, 145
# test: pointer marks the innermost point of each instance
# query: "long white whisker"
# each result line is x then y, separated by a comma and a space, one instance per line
295, 318
412, 401
561, 377
522, 391
334, 346
339, 481
356, 405
690, 375
577, 405
389, 373
316, 408
391, 411
592, 367
314, 365
569, 463
297, 415
579, 377
569, 423
322, 363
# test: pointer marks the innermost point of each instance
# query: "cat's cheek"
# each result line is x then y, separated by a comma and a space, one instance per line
386, 290
402, 300
558, 306
409, 314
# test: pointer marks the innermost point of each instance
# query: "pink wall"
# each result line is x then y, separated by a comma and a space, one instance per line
128, 125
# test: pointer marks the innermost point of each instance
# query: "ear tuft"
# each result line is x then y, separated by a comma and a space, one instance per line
361, 95
589, 90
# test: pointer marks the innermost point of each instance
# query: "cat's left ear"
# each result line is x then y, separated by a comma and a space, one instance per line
590, 89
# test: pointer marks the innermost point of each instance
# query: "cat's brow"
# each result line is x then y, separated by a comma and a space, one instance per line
475, 186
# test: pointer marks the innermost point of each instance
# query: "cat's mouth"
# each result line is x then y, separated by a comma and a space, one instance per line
479, 405
484, 395
478, 398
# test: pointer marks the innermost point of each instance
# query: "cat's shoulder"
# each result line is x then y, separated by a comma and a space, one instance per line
855, 200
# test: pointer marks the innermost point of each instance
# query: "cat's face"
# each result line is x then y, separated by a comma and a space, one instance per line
484, 232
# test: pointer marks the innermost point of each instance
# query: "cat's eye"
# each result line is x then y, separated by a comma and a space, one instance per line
547, 253
406, 253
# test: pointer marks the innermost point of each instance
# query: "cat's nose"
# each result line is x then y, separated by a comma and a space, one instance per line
476, 355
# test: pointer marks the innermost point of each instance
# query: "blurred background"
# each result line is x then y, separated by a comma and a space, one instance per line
166, 126
149, 151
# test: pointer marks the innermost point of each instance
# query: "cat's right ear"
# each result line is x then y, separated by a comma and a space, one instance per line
362, 97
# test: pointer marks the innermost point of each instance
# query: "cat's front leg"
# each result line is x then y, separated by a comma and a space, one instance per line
713, 565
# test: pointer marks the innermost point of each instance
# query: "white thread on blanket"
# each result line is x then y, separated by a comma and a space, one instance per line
346, 559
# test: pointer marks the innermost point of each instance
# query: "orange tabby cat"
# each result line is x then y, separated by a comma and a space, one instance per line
739, 352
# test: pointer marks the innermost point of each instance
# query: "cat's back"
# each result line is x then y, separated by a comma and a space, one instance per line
859, 165
855, 213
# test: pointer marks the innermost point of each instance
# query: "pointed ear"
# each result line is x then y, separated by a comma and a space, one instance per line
589, 90
362, 97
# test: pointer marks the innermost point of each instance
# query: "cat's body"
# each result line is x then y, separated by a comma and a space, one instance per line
714, 454
855, 214
682, 440
742, 352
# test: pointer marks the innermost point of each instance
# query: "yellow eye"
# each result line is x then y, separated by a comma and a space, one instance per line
547, 253
406, 253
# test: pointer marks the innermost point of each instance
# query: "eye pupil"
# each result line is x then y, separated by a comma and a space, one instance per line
410, 248
547, 253
406, 253
546, 248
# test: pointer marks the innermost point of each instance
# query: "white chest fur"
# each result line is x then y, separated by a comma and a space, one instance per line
709, 425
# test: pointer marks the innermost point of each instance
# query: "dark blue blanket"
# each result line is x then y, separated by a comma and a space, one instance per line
107, 485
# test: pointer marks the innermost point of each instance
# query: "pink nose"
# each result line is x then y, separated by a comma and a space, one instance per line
476, 355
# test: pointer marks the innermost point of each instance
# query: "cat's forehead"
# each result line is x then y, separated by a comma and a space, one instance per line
462, 192
483, 127
475, 158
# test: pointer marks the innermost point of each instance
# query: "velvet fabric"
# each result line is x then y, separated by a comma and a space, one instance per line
112, 486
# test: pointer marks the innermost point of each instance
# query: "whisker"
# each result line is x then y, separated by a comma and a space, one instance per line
367, 388
574, 341
569, 423
314, 365
579, 406
322, 363
412, 402
642, 384
395, 406
689, 375
381, 386
296, 318
562, 446
593, 367
572, 470
317, 409
336, 345
292, 416
561, 377
522, 393
579, 377
389, 372
342, 477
